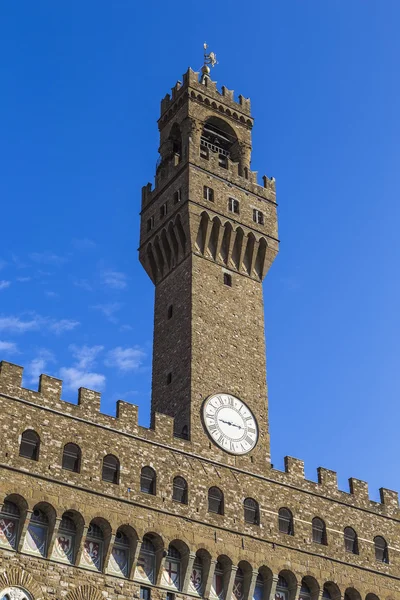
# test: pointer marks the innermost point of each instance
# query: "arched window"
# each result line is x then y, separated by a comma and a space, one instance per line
64, 547
251, 511
286, 521
148, 481
305, 592
92, 555
71, 460
217, 590
350, 540
120, 555
9, 525
238, 585
110, 469
146, 564
171, 576
258, 593
282, 589
14, 593
326, 594
381, 549
30, 445
180, 490
37, 534
215, 501
196, 577
318, 531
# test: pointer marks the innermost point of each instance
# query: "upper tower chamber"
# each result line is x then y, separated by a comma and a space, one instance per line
208, 237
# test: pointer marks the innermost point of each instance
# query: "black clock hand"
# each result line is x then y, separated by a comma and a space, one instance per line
229, 423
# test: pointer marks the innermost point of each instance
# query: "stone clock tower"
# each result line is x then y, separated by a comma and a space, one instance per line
208, 238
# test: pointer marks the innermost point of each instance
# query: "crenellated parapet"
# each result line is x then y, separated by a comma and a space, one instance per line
48, 407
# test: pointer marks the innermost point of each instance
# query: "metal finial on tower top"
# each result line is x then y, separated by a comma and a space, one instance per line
210, 58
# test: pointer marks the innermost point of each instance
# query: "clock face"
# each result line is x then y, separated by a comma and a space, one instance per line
230, 423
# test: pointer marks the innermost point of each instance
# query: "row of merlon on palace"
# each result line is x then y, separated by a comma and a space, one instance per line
71, 461
233, 206
148, 561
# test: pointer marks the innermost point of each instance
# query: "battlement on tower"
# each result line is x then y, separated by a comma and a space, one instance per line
224, 99
44, 409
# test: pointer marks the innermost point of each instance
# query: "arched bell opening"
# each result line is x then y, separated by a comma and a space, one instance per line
219, 137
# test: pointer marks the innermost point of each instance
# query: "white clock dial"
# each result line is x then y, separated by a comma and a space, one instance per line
230, 423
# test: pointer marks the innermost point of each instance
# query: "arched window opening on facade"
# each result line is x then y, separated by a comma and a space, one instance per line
93, 548
217, 588
258, 593
9, 525
282, 589
350, 540
251, 511
176, 141
196, 578
238, 585
326, 594
71, 460
219, 137
120, 555
305, 592
148, 481
37, 534
233, 205
286, 521
30, 445
171, 576
146, 564
110, 470
180, 490
215, 501
64, 547
319, 531
381, 549
14, 593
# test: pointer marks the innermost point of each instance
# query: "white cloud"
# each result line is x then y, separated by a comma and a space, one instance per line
63, 325
114, 279
19, 325
34, 322
109, 310
84, 284
47, 258
74, 378
125, 359
38, 365
83, 244
10, 347
24, 279
85, 355
4, 284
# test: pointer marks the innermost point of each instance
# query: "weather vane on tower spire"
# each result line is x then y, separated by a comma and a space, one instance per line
210, 58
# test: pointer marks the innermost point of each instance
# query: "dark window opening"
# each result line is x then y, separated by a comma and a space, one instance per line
215, 501
180, 490
258, 216
170, 596
148, 481
208, 193
169, 378
145, 593
318, 531
286, 521
381, 549
233, 205
30, 445
110, 471
177, 196
170, 311
163, 210
71, 460
251, 511
350, 540
150, 224
228, 279
223, 161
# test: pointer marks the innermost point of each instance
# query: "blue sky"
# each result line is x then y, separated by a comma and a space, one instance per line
81, 86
